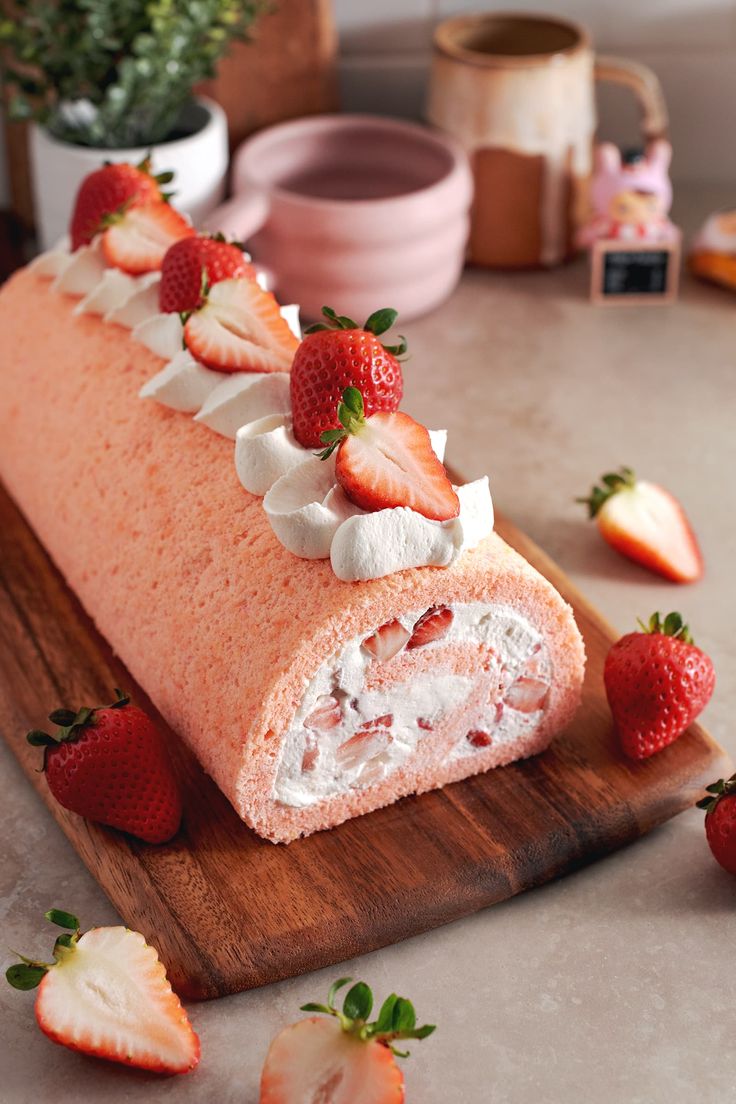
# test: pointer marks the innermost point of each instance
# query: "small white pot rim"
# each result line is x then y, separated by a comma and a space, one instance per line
215, 119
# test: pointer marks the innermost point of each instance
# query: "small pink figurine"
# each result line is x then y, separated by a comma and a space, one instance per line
630, 199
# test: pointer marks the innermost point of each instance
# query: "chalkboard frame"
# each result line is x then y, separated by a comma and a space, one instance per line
605, 246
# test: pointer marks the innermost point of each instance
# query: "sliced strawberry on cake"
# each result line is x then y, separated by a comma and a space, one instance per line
194, 264
239, 328
345, 1059
387, 460
106, 994
336, 354
137, 240
108, 192
647, 524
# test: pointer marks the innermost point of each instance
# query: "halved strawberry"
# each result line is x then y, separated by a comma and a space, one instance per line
138, 240
387, 460
344, 1060
387, 641
432, 625
326, 714
362, 747
107, 994
527, 695
194, 264
240, 329
647, 524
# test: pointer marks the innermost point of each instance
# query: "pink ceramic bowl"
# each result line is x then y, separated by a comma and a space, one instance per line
352, 211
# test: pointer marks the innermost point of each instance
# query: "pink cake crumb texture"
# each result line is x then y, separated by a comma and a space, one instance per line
142, 511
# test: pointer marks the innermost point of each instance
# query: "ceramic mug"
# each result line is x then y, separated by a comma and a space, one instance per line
352, 211
518, 92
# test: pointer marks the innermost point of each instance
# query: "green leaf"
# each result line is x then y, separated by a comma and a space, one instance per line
397, 350
353, 400
62, 717
23, 976
311, 1006
381, 320
334, 988
316, 327
425, 1031
62, 919
358, 1002
385, 1016
404, 1017
672, 624
40, 739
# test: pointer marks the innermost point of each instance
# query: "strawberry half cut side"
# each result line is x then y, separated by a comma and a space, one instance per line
387, 460
345, 1059
240, 329
137, 241
647, 524
106, 994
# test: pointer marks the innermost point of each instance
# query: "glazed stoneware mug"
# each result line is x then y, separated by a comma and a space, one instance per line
352, 211
518, 91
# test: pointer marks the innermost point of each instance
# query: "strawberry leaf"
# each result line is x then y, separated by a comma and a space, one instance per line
333, 990
381, 320
358, 1002
613, 483
24, 976
385, 1016
62, 919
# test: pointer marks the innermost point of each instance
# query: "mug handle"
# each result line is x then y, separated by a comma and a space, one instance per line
241, 217
645, 85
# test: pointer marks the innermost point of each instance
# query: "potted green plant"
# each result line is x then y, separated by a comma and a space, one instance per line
113, 80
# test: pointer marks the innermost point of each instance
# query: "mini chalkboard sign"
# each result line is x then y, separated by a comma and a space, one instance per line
634, 272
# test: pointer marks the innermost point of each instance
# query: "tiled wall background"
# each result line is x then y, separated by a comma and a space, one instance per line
690, 44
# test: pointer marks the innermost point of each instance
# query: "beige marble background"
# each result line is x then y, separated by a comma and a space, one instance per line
614, 985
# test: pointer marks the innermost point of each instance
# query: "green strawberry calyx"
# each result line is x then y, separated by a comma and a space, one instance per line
29, 972
722, 788
351, 416
396, 1019
612, 483
378, 323
71, 724
673, 625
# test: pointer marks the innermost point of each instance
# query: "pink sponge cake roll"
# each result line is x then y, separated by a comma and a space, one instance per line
309, 700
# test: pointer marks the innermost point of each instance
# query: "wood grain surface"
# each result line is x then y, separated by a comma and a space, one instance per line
228, 911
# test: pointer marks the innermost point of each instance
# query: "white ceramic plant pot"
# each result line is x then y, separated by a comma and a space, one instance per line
199, 162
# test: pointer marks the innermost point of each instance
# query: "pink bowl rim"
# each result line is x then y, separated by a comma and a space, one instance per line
458, 173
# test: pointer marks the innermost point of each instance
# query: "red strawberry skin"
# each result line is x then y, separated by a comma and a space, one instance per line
432, 625
105, 192
180, 289
720, 831
656, 686
325, 364
117, 772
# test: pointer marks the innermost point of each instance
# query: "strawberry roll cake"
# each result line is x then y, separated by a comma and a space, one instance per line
358, 634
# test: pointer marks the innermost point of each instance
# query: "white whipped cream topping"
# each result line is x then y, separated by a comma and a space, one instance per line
54, 260
83, 271
334, 768
306, 507
111, 291
183, 384
266, 449
375, 544
244, 397
163, 334
140, 305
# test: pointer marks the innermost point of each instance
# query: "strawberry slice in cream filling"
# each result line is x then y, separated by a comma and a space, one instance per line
384, 702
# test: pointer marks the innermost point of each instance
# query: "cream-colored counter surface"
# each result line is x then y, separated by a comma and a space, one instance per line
610, 986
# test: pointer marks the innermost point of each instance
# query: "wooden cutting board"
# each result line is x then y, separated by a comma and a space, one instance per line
228, 911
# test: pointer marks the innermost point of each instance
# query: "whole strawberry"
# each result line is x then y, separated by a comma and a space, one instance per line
345, 1059
111, 765
336, 354
720, 821
657, 682
194, 264
109, 191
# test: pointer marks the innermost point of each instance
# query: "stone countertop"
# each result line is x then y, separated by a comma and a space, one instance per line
605, 987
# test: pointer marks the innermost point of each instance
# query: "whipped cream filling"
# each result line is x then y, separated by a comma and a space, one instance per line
344, 737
